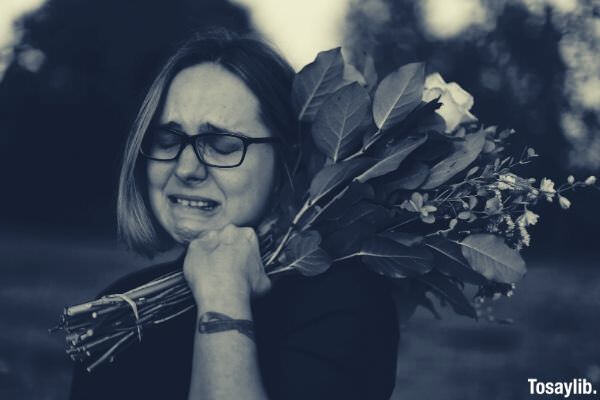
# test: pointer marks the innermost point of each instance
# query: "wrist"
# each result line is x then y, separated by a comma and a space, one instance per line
214, 322
234, 303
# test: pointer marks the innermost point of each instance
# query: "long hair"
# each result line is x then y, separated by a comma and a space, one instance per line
268, 76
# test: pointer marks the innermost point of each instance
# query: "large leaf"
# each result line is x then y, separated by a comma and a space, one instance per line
304, 254
333, 175
409, 177
362, 211
405, 238
351, 74
315, 82
450, 261
438, 145
490, 256
355, 193
465, 153
448, 291
370, 73
391, 157
344, 236
398, 94
392, 259
347, 241
336, 130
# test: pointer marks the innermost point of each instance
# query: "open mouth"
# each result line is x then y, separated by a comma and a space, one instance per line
197, 203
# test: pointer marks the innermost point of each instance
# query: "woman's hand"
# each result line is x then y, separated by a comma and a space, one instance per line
224, 269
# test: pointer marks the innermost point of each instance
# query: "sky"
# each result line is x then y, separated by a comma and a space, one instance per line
299, 28
283, 22
10, 10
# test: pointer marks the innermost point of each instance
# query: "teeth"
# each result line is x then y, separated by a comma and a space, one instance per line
199, 204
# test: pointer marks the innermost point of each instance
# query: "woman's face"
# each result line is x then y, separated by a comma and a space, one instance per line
186, 196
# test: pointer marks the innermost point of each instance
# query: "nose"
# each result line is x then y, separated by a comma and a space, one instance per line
189, 169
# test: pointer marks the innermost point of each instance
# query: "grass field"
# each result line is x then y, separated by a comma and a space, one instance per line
555, 337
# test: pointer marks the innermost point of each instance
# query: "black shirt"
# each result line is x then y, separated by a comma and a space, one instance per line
333, 336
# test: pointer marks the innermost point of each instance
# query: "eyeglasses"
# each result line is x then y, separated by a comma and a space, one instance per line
215, 149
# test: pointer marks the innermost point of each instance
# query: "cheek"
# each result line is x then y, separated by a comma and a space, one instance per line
248, 188
157, 175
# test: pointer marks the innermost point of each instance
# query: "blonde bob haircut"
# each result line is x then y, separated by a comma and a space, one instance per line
265, 73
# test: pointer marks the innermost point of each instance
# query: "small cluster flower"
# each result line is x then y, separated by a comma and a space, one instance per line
591, 180
564, 202
547, 188
419, 204
528, 218
506, 181
524, 239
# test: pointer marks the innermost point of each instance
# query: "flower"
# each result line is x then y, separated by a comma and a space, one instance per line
507, 181
531, 152
547, 187
528, 218
590, 180
564, 202
456, 102
493, 206
525, 238
508, 178
571, 179
418, 203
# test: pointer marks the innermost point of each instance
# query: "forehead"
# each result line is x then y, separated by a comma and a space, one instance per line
207, 93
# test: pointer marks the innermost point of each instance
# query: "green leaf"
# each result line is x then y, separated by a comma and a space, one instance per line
355, 193
489, 255
464, 154
348, 241
363, 211
392, 259
450, 261
447, 290
438, 145
370, 73
411, 177
315, 82
432, 123
404, 238
333, 175
304, 254
359, 223
351, 74
391, 157
336, 130
398, 94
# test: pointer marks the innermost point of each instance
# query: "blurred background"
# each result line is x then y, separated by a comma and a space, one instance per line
73, 73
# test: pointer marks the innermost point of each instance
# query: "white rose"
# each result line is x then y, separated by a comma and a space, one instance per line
456, 102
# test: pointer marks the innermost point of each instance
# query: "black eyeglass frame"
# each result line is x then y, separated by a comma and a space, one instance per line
193, 140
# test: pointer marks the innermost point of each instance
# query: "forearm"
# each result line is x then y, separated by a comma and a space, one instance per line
225, 364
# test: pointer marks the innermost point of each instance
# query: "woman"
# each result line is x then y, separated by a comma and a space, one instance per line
202, 166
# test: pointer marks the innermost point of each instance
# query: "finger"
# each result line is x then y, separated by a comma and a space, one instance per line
249, 234
229, 234
263, 285
207, 240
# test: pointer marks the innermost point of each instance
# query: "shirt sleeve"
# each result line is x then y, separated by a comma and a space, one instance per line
340, 340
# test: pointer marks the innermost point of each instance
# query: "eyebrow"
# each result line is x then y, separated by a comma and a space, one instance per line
206, 127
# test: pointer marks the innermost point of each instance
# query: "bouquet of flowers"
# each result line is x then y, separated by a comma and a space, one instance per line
396, 173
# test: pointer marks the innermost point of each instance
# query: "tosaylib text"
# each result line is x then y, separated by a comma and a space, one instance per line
565, 389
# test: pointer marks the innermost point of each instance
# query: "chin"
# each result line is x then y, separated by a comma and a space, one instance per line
184, 231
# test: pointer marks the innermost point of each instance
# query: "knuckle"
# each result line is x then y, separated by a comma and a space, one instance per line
249, 234
229, 228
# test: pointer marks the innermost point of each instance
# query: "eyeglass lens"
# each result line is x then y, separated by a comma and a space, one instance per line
218, 149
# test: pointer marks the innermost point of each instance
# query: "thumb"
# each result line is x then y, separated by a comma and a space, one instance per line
263, 285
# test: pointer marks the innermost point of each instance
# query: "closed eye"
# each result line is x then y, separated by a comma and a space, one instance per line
223, 143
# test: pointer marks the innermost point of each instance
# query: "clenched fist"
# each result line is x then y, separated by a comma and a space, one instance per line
224, 268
